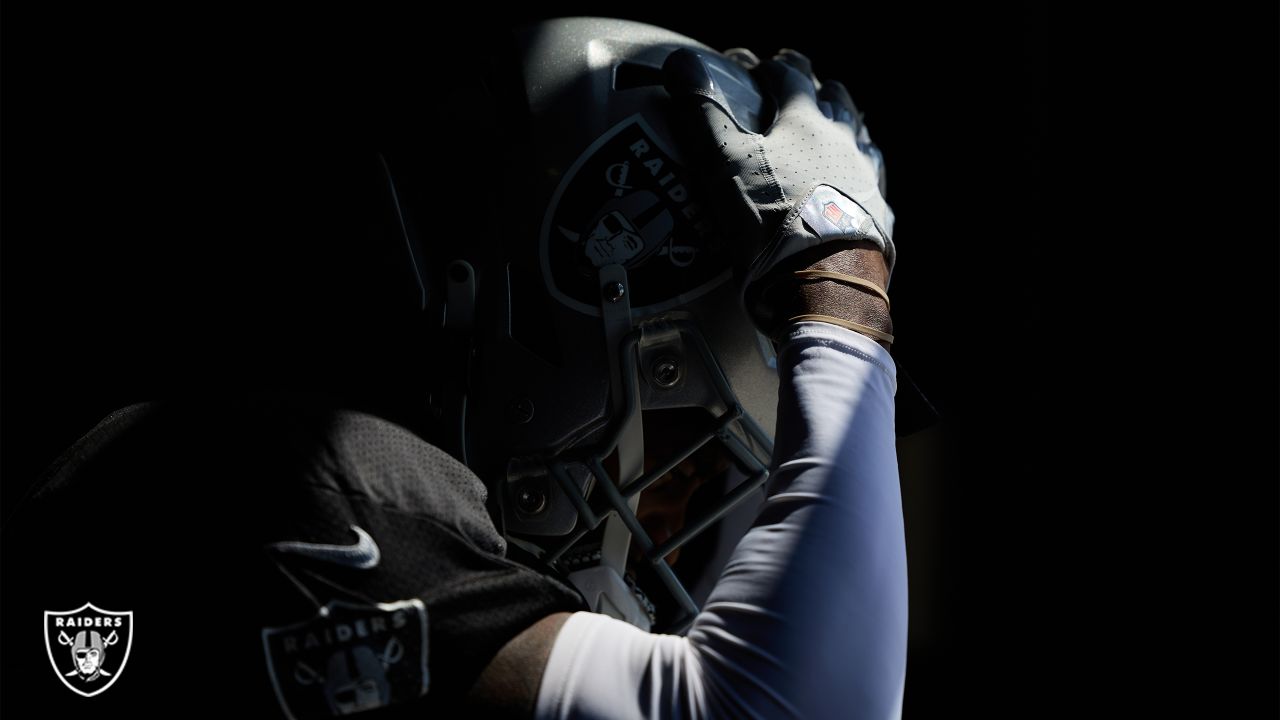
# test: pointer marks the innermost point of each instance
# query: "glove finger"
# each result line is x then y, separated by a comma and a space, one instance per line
799, 61
790, 88
743, 57
842, 108
695, 91
845, 111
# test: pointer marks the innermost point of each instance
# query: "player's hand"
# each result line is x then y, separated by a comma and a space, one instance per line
813, 177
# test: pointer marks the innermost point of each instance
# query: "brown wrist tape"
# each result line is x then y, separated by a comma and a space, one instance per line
842, 277
856, 327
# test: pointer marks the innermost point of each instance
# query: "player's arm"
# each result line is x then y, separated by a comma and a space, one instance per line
809, 616
510, 684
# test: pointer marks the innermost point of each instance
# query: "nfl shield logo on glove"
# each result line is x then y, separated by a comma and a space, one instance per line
88, 647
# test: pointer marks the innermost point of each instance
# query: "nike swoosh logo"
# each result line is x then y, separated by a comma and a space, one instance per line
364, 554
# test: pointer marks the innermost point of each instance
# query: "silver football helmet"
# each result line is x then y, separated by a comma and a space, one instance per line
595, 296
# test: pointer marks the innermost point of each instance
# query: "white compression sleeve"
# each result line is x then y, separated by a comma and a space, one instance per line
809, 617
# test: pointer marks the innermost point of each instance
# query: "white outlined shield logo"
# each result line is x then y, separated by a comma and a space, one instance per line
626, 200
88, 647
349, 658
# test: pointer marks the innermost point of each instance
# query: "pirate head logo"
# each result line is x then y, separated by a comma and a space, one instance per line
627, 201
349, 658
355, 679
615, 239
88, 647
88, 651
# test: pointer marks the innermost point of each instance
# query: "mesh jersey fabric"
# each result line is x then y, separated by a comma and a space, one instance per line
165, 509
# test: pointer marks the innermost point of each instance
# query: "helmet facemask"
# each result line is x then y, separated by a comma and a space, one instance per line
627, 304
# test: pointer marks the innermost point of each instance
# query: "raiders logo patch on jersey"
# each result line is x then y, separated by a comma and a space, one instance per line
88, 646
349, 658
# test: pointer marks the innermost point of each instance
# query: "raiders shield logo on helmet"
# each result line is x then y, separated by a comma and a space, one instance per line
349, 658
88, 647
626, 200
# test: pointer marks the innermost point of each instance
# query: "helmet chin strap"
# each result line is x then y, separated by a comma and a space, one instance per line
603, 585
615, 310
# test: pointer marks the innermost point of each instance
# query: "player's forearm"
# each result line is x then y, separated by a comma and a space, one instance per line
808, 618
819, 582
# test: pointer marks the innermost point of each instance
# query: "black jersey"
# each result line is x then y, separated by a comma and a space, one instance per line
260, 557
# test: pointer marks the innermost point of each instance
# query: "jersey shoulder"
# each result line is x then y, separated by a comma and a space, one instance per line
323, 548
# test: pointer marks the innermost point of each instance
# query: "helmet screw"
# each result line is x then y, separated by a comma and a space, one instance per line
666, 372
530, 498
520, 411
614, 291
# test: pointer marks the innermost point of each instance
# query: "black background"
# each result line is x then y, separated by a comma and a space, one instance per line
144, 254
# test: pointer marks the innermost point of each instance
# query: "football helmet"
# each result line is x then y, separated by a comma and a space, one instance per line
595, 293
